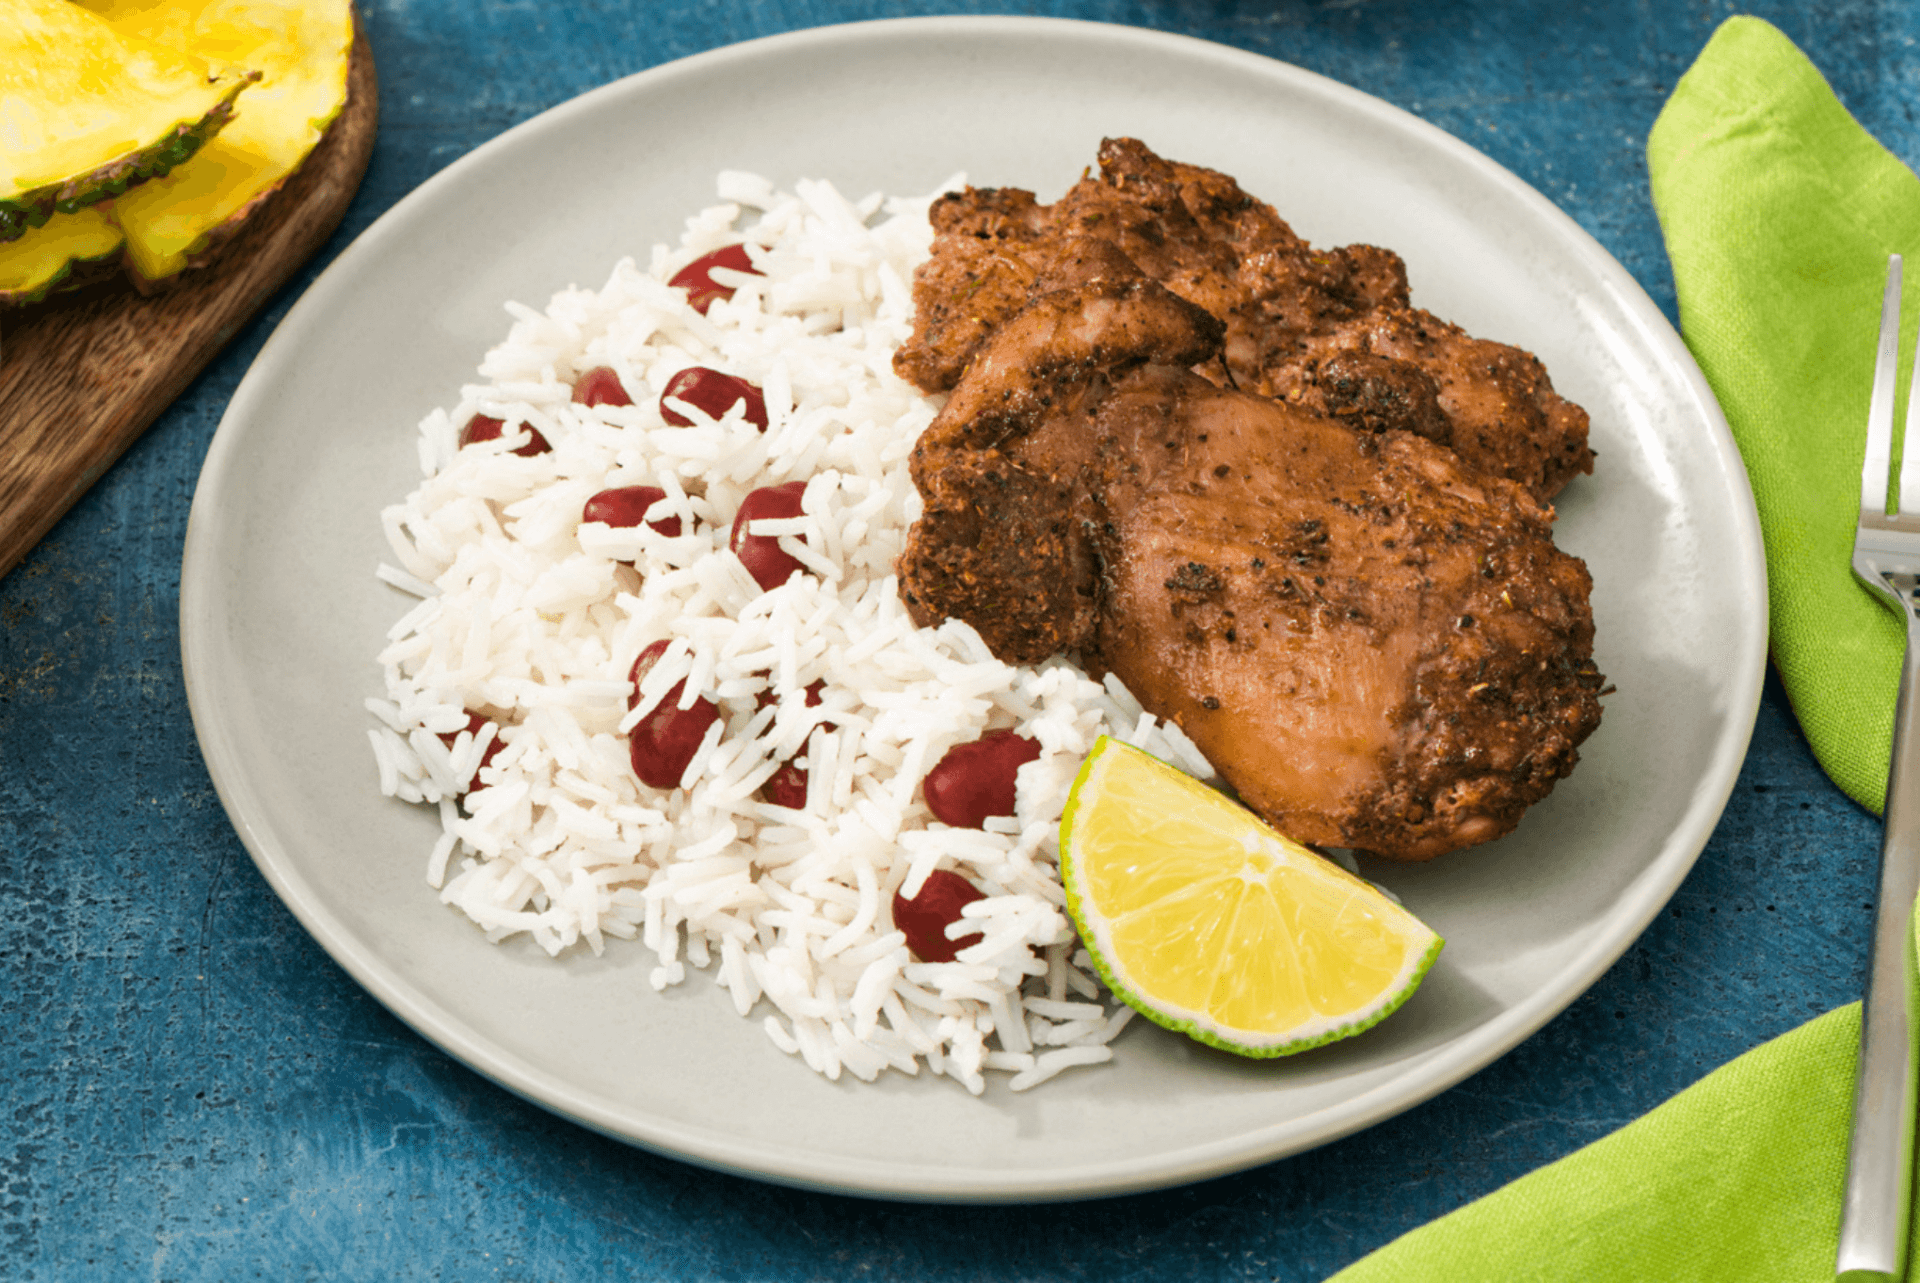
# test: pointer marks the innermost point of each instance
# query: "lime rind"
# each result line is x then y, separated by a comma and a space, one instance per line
1096, 933
1242, 1043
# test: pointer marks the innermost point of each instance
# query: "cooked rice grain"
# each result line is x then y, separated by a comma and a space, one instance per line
532, 620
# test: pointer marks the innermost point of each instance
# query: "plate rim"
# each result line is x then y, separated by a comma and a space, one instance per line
1453, 1062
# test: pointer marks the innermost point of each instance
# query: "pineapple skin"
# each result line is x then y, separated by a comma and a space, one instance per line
302, 50
70, 250
38, 26
159, 213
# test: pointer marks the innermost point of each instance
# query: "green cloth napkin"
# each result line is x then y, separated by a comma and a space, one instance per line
1735, 1180
1779, 212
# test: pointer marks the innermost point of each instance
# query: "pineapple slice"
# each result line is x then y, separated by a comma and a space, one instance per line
301, 48
87, 111
68, 251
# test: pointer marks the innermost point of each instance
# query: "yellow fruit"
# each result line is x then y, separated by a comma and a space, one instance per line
301, 49
87, 112
1210, 923
58, 255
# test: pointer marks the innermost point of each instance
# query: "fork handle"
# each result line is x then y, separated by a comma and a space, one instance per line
1873, 1221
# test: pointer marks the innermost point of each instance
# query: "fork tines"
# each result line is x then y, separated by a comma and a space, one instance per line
1874, 469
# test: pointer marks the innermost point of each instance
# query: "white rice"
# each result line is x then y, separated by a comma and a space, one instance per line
529, 618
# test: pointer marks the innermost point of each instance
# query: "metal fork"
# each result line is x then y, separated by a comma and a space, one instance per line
1886, 559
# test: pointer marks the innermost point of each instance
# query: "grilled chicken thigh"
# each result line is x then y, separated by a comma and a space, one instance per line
1332, 330
1377, 645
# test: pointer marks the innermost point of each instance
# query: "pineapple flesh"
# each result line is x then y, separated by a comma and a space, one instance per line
301, 50
88, 111
69, 250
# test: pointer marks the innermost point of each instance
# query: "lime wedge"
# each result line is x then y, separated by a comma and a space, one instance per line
1207, 921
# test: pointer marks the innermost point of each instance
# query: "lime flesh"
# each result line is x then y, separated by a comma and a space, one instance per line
1209, 922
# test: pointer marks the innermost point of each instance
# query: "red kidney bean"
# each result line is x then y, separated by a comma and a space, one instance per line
787, 786
474, 723
924, 918
696, 278
976, 780
600, 386
481, 428
814, 692
626, 507
662, 743
762, 555
715, 393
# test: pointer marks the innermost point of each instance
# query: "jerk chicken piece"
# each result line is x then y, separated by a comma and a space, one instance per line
1332, 330
1376, 646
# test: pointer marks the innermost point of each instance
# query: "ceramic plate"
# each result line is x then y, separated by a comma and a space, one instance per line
281, 614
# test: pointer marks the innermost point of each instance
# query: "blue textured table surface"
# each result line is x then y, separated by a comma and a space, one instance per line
190, 1089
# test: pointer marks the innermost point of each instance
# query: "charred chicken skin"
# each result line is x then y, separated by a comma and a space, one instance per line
1376, 644
1331, 330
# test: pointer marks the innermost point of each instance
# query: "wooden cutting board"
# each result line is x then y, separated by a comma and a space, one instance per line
83, 374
